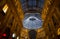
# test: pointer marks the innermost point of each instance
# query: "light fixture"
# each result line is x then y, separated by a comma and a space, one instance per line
4, 34
5, 8
58, 31
17, 37
13, 35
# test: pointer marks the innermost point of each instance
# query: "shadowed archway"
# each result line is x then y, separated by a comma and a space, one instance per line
32, 34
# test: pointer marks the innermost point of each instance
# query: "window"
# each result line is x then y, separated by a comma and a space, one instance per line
5, 8
34, 3
30, 3
40, 3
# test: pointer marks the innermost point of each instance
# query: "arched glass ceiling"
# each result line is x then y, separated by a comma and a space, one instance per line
32, 4
32, 21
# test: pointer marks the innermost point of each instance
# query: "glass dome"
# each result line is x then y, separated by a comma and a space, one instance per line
32, 21
28, 5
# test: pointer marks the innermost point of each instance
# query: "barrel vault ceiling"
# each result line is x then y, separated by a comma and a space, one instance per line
48, 9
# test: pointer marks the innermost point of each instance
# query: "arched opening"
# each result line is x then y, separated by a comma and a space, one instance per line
32, 34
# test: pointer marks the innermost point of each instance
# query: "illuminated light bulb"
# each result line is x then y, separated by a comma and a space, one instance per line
17, 37
13, 35
5, 8
4, 35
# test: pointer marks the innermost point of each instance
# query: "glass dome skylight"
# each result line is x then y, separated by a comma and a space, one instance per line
32, 21
28, 5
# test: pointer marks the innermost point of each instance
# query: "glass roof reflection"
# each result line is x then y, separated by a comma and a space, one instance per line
32, 21
31, 4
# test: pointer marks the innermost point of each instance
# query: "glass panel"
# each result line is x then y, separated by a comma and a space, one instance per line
40, 4
34, 2
30, 2
31, 21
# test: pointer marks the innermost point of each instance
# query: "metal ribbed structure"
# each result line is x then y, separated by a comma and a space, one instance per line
32, 21
32, 5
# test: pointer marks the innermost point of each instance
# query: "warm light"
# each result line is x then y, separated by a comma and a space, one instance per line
41, 29
17, 37
59, 31
13, 35
4, 34
5, 8
25, 37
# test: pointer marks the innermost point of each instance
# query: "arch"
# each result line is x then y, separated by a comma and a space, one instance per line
32, 34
